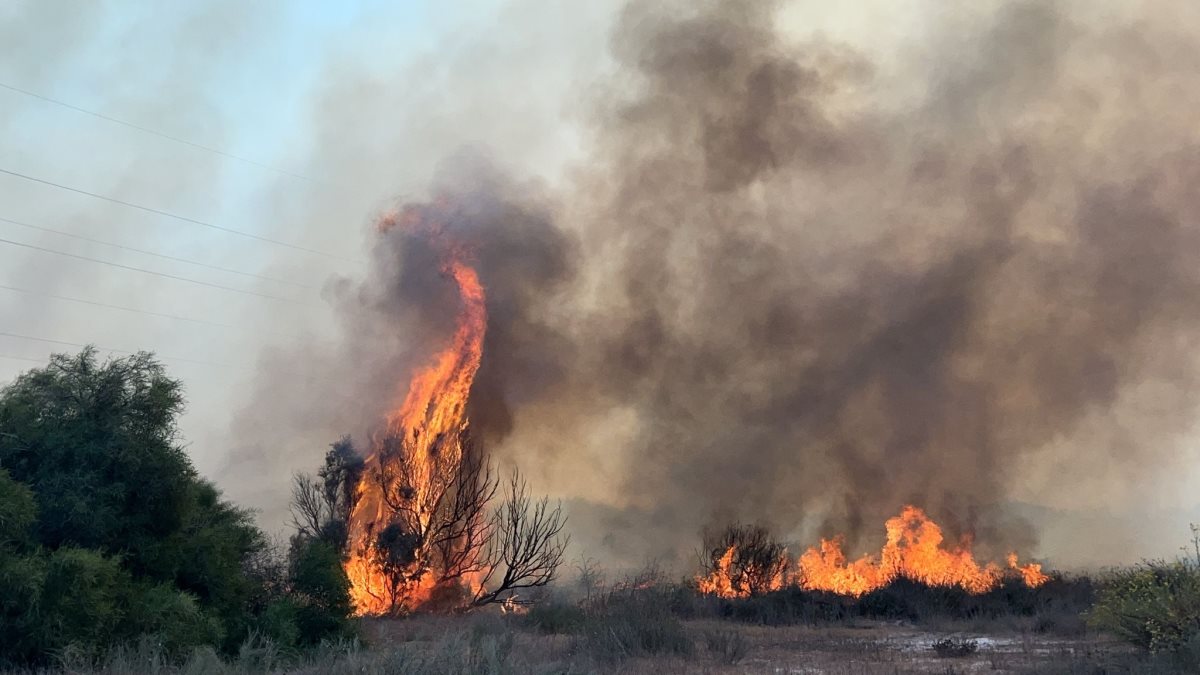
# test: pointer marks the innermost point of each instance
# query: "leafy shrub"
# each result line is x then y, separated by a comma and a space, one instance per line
627, 621
21, 580
107, 534
95, 441
174, 618
320, 592
1155, 605
18, 512
279, 623
80, 601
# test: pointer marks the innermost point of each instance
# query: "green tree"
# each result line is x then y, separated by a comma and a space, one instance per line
320, 590
81, 600
18, 511
21, 576
318, 602
127, 539
97, 443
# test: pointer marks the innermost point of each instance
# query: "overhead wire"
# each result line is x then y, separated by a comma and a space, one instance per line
21, 358
114, 350
152, 253
155, 211
153, 132
175, 216
146, 271
15, 289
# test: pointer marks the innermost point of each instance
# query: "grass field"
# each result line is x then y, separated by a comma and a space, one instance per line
664, 629
493, 644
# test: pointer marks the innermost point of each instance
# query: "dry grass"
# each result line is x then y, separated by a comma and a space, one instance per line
502, 645
662, 629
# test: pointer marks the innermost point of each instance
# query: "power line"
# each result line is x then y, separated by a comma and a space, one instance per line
175, 216
153, 132
152, 253
21, 358
146, 271
134, 310
110, 349
43, 294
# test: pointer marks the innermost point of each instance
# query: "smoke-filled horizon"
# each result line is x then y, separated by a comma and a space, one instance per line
742, 267
772, 289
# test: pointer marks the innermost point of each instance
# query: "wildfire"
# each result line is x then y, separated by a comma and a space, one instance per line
915, 550
431, 419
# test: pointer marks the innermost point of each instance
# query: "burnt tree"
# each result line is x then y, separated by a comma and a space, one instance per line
438, 524
441, 534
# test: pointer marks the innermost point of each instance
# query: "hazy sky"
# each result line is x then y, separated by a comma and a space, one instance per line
249, 79
339, 108
236, 77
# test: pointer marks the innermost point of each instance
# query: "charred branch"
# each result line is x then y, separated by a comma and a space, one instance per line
748, 556
461, 528
526, 546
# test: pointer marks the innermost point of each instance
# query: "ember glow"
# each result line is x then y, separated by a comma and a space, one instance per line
915, 549
431, 419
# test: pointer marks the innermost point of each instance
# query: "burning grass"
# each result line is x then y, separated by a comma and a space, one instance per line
746, 561
1053, 607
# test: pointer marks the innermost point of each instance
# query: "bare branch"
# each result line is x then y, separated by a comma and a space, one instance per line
526, 547
461, 528
309, 512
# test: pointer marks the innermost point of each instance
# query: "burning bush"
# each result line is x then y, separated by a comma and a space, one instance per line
437, 542
433, 522
1053, 607
421, 528
742, 560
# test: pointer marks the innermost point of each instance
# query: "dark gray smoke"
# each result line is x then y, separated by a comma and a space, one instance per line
778, 290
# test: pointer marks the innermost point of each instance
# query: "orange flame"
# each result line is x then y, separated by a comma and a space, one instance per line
720, 580
914, 550
1031, 574
433, 409
724, 580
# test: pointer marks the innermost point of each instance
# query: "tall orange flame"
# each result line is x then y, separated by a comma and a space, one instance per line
433, 410
914, 550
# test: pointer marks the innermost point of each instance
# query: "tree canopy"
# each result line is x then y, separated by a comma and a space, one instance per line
107, 532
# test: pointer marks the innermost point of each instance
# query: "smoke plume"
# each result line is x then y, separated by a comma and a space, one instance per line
781, 287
